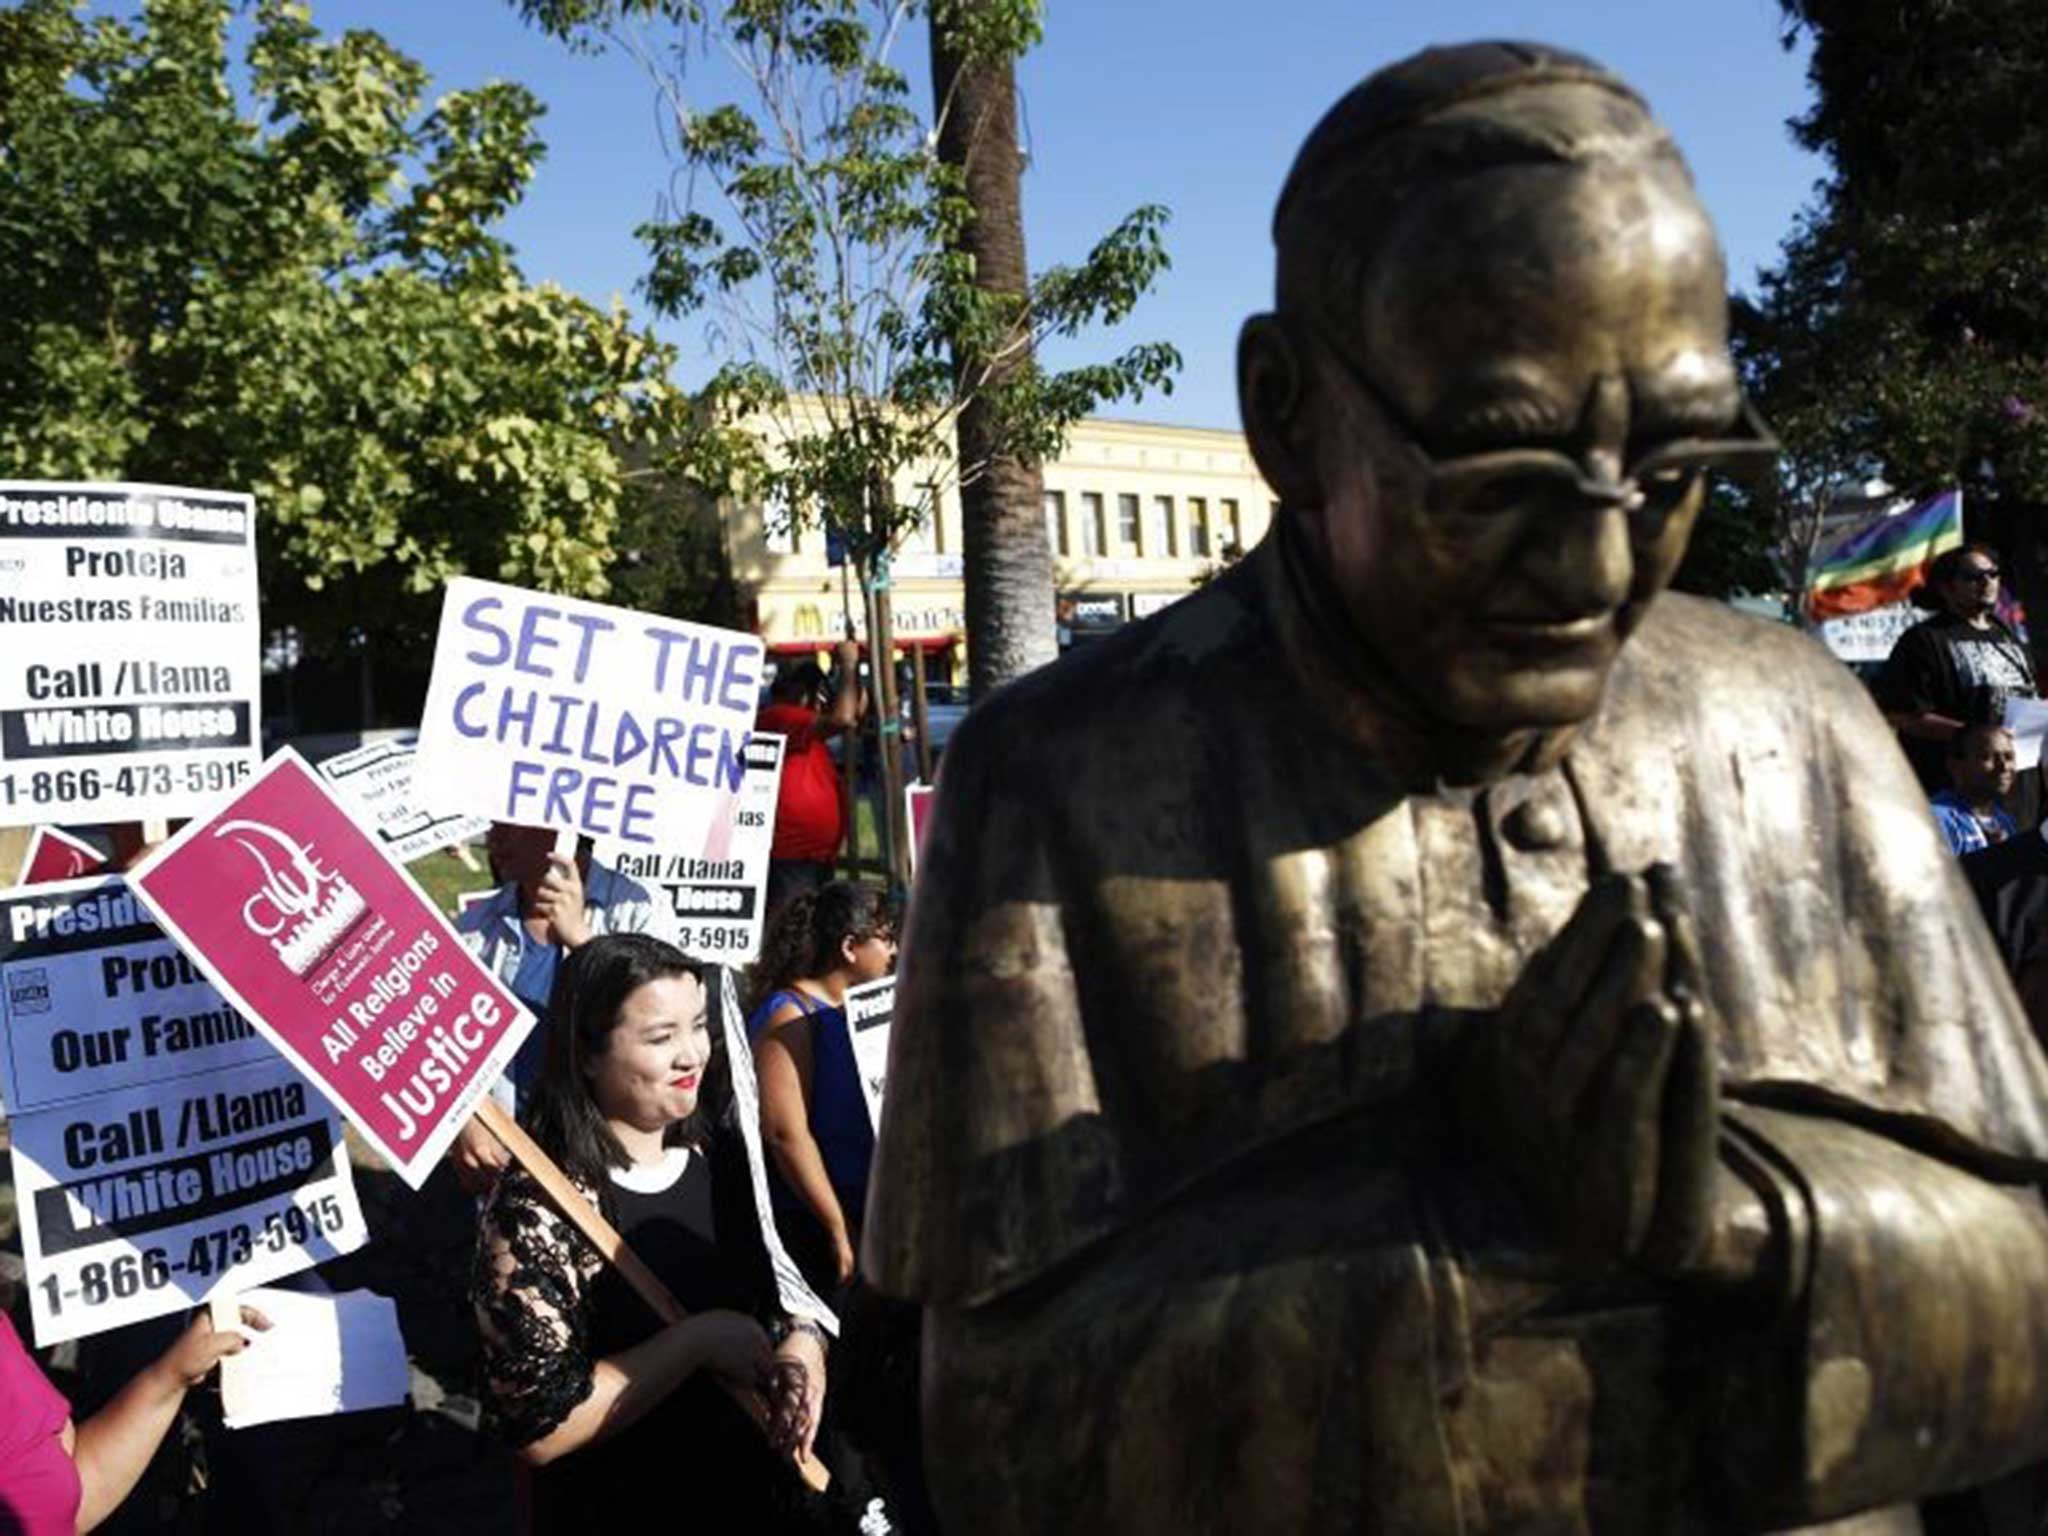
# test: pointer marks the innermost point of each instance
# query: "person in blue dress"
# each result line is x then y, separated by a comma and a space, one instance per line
814, 1116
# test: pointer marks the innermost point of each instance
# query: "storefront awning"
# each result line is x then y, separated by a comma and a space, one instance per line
925, 643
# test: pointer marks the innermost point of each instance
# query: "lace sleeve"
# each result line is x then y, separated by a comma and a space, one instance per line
531, 1272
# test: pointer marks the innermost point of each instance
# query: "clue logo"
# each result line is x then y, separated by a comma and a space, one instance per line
28, 990
303, 908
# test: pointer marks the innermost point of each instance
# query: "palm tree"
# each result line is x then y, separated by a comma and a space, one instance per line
1009, 577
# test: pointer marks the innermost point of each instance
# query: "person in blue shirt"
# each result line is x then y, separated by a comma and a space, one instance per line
1981, 768
814, 1115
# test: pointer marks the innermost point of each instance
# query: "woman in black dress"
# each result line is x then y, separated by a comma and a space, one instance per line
613, 1409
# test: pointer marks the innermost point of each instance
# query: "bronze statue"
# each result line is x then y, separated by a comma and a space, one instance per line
1427, 1035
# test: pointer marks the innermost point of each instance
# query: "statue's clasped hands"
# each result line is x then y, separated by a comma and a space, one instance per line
1596, 1084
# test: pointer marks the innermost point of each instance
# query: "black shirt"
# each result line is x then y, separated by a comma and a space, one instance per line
1945, 666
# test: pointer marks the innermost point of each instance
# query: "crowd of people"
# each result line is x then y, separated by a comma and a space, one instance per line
1945, 691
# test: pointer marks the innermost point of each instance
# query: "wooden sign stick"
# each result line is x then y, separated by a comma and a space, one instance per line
604, 1237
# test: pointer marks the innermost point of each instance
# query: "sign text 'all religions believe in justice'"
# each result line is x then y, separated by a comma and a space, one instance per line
326, 946
547, 711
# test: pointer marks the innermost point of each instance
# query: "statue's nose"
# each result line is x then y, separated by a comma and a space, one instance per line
1581, 560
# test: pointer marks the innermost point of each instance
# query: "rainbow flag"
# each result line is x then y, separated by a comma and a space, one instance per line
1878, 563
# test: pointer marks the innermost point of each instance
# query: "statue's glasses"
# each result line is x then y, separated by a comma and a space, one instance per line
1509, 480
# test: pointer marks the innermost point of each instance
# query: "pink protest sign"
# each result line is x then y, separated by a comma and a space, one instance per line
54, 854
303, 922
917, 801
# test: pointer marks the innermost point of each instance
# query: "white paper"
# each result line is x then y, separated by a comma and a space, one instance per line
334, 1352
2027, 719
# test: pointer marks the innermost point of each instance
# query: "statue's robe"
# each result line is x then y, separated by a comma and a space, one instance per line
1172, 1154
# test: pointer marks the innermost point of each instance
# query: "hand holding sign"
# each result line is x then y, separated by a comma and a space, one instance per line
560, 901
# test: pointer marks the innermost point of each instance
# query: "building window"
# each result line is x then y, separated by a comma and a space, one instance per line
778, 530
1056, 521
1094, 537
1128, 537
1162, 538
1198, 527
1233, 530
923, 537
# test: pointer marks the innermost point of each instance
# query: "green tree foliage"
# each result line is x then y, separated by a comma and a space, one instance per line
1905, 329
820, 227
302, 296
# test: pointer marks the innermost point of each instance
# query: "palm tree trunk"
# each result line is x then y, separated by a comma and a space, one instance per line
1009, 577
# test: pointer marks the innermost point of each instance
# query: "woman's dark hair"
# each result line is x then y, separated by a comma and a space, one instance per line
803, 938
798, 684
591, 987
1945, 568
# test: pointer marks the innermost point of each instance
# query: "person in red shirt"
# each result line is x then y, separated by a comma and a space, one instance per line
57, 1477
811, 812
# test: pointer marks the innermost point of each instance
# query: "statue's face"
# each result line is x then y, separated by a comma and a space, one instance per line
1577, 315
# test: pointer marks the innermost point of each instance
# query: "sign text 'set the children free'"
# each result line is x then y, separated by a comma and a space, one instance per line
586, 733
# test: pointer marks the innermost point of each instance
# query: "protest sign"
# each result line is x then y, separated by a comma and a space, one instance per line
715, 900
1867, 636
547, 711
917, 805
870, 1010
54, 854
794, 1292
376, 780
129, 673
2027, 719
332, 952
162, 1150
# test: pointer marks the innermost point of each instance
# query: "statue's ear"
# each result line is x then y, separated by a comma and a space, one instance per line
1272, 397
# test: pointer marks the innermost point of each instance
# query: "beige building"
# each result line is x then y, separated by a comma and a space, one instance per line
1137, 515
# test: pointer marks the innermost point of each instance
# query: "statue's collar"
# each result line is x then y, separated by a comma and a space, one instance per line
1355, 695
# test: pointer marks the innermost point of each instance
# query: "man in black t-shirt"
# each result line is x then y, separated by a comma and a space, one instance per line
1956, 667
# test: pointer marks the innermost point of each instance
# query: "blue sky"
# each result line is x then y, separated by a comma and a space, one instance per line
1197, 104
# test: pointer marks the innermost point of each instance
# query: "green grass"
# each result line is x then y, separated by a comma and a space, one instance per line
444, 878
867, 837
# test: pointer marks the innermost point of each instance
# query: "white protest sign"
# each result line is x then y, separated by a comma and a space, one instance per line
1868, 636
870, 1010
162, 1149
548, 711
715, 900
794, 1292
130, 683
2027, 719
376, 780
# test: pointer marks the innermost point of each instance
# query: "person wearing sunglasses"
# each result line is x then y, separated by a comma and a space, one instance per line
1433, 1033
1957, 667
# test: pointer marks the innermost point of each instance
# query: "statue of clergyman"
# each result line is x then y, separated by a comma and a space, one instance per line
1427, 1035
